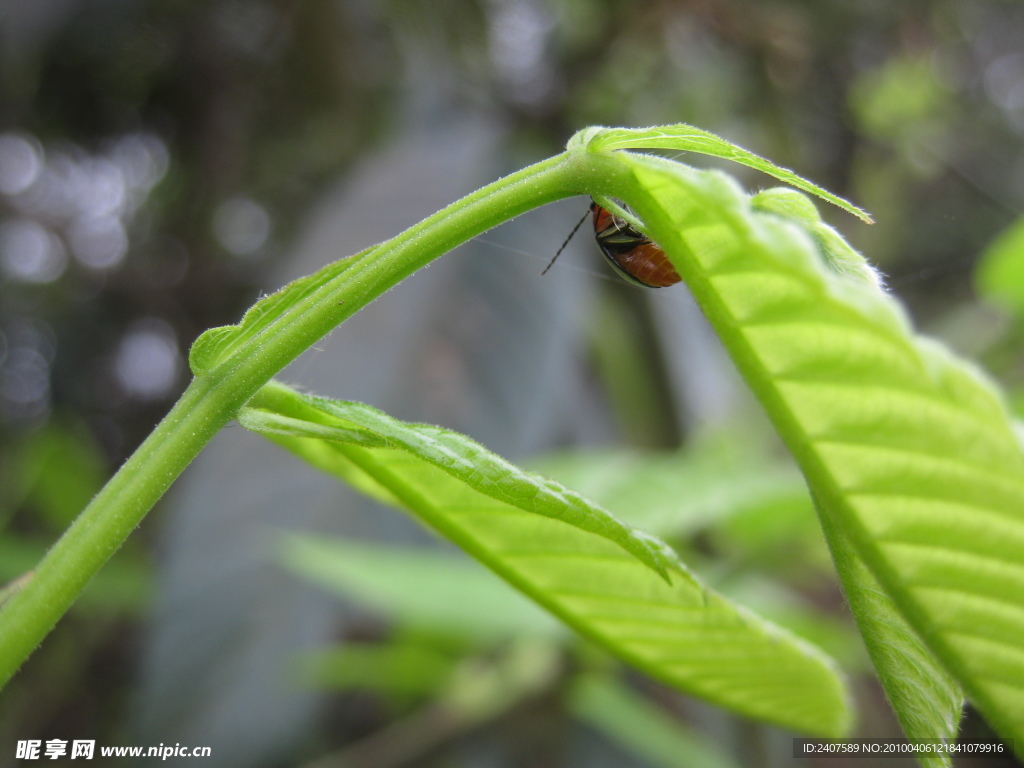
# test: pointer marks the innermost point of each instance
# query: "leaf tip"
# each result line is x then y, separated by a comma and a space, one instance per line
660, 556
207, 350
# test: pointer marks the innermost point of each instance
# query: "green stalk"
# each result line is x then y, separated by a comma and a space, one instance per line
211, 400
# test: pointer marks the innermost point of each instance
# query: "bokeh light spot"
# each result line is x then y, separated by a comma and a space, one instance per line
20, 163
241, 225
99, 242
30, 253
147, 360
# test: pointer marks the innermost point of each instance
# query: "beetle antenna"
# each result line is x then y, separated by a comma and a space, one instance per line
562, 248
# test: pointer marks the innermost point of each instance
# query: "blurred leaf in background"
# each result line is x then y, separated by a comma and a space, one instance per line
999, 278
1000, 273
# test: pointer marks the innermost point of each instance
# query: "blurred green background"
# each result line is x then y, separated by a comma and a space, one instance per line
163, 162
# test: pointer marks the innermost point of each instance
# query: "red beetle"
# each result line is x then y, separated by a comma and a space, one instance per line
634, 256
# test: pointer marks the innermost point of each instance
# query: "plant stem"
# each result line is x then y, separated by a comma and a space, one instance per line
104, 525
211, 400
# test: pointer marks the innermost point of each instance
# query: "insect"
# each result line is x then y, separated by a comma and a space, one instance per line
637, 258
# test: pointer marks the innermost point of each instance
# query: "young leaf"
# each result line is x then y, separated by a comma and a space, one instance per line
908, 450
620, 588
216, 346
686, 138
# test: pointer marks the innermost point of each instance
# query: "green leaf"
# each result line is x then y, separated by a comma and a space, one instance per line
678, 494
744, 500
620, 588
216, 346
900, 99
433, 590
927, 701
400, 670
837, 253
1000, 273
908, 450
686, 138
640, 726
778, 603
